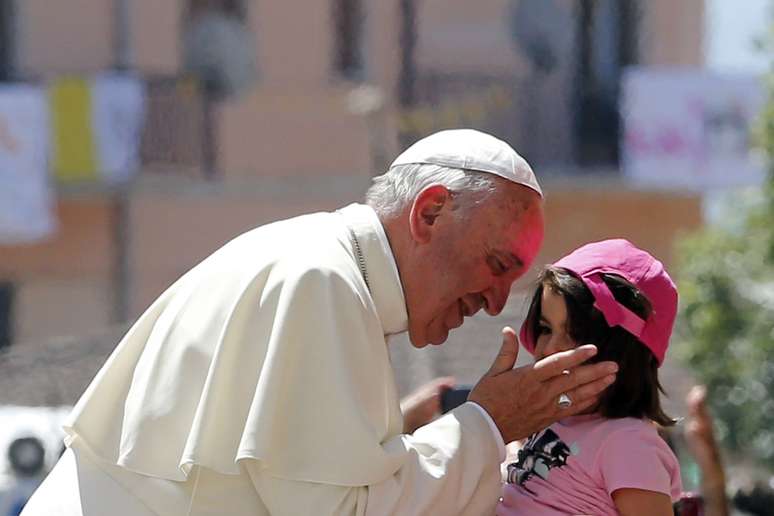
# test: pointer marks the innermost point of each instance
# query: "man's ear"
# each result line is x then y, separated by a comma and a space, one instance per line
426, 209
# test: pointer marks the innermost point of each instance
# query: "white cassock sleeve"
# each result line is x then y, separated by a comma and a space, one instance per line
451, 467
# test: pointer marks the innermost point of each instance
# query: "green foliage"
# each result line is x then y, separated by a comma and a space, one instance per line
725, 330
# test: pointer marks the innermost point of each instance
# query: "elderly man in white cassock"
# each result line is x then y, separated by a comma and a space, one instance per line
259, 383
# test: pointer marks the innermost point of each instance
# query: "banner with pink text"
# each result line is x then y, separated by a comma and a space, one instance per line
690, 129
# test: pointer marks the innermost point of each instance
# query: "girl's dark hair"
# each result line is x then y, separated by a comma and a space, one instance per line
635, 392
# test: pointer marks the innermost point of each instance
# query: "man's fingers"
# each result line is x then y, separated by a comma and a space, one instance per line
579, 376
582, 393
509, 351
554, 365
577, 408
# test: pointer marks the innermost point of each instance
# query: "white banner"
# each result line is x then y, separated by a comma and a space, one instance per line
118, 109
26, 213
691, 129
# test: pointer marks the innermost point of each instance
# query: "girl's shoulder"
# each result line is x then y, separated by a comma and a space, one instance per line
601, 426
632, 436
600, 432
629, 424
631, 441
633, 431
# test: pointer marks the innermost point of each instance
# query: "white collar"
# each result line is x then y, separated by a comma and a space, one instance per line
383, 277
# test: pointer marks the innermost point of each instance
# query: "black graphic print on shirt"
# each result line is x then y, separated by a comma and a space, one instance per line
542, 452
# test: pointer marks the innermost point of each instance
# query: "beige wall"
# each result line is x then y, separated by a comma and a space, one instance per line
291, 145
459, 35
673, 33
65, 286
155, 35
298, 99
382, 39
74, 36
293, 39
77, 36
173, 228
473, 38
53, 306
296, 120
292, 131
80, 247
653, 220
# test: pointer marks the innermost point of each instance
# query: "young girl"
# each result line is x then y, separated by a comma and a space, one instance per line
611, 459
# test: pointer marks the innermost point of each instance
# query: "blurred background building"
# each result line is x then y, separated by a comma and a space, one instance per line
221, 115
259, 112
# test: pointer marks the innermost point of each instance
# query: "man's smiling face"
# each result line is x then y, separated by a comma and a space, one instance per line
469, 262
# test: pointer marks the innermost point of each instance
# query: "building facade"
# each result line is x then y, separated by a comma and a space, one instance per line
307, 101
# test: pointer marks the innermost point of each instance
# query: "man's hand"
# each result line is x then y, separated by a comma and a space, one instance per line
423, 405
524, 400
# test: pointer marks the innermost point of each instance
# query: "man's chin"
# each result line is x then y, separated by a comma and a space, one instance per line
435, 338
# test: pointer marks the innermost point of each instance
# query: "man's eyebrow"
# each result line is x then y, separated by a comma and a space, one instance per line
515, 261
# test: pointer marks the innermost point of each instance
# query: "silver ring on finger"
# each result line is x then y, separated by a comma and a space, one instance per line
564, 401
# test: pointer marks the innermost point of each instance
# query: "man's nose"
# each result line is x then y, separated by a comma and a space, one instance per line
496, 297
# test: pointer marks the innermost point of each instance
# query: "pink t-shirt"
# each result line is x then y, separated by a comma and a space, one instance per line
573, 467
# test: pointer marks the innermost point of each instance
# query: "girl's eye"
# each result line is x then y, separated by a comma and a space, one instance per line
543, 329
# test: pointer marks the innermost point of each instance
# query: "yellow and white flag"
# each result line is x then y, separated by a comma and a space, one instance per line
95, 127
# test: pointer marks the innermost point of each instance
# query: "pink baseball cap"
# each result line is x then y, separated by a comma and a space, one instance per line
620, 257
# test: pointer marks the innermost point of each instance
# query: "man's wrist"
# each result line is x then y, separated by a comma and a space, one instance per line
495, 431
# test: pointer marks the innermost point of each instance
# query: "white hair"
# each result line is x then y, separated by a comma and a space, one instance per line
396, 189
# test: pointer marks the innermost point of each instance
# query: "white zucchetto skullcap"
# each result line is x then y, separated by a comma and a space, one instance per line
472, 150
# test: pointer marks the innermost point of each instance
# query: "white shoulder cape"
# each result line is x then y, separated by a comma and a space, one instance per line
271, 349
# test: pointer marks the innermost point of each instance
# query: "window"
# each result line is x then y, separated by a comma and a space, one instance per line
6, 314
607, 33
7, 47
219, 48
348, 36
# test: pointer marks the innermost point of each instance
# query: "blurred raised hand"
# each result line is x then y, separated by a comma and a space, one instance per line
700, 438
424, 404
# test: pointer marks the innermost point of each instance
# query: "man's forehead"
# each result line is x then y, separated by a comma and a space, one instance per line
524, 236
